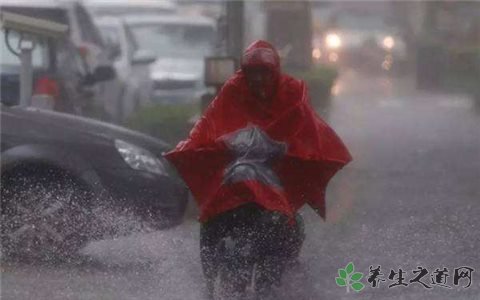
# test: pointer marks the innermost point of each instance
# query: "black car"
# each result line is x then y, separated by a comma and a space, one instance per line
55, 168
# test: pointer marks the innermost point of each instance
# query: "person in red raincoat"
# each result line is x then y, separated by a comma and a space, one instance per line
259, 144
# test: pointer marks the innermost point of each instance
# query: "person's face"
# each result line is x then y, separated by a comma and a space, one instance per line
259, 79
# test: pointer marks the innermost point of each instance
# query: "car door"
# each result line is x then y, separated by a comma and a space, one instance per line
73, 74
108, 93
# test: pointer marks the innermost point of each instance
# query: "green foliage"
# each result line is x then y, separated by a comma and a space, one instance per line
457, 66
319, 80
463, 69
169, 122
319, 75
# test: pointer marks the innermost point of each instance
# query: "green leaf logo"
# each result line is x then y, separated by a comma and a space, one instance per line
349, 278
350, 268
340, 281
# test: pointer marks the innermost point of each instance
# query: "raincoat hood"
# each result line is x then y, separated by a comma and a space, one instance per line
263, 54
280, 155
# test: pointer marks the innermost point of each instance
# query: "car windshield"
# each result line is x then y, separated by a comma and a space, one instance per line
174, 40
10, 60
111, 35
112, 10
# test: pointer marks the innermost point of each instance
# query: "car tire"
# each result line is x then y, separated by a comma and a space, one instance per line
45, 215
163, 218
159, 216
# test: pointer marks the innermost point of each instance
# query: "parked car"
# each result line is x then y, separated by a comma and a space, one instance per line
130, 62
61, 79
117, 8
84, 35
55, 168
181, 44
356, 38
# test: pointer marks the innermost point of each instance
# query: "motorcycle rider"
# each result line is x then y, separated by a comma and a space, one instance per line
256, 156
261, 73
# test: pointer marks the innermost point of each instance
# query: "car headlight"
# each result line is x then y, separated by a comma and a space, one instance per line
388, 42
333, 41
316, 53
140, 159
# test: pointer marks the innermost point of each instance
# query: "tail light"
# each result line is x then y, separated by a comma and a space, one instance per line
83, 50
47, 86
45, 93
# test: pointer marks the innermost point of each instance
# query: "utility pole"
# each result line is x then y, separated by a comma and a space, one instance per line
230, 39
235, 23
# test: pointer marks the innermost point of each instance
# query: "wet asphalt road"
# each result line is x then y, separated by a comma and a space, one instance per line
410, 198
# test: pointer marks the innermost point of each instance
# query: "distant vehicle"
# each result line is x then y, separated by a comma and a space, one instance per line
117, 8
84, 35
131, 64
181, 44
55, 168
61, 79
359, 39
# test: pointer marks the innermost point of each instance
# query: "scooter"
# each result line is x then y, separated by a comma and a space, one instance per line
245, 250
250, 249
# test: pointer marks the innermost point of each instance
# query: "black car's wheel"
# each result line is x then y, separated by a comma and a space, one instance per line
163, 218
44, 215
160, 217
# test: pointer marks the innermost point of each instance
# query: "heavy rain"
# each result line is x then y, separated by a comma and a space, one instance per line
157, 149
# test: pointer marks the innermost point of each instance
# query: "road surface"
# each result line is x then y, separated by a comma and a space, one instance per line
410, 198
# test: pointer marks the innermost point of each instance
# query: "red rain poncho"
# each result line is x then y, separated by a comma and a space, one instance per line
314, 153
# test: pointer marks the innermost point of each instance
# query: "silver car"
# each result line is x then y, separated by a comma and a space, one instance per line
180, 43
130, 62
